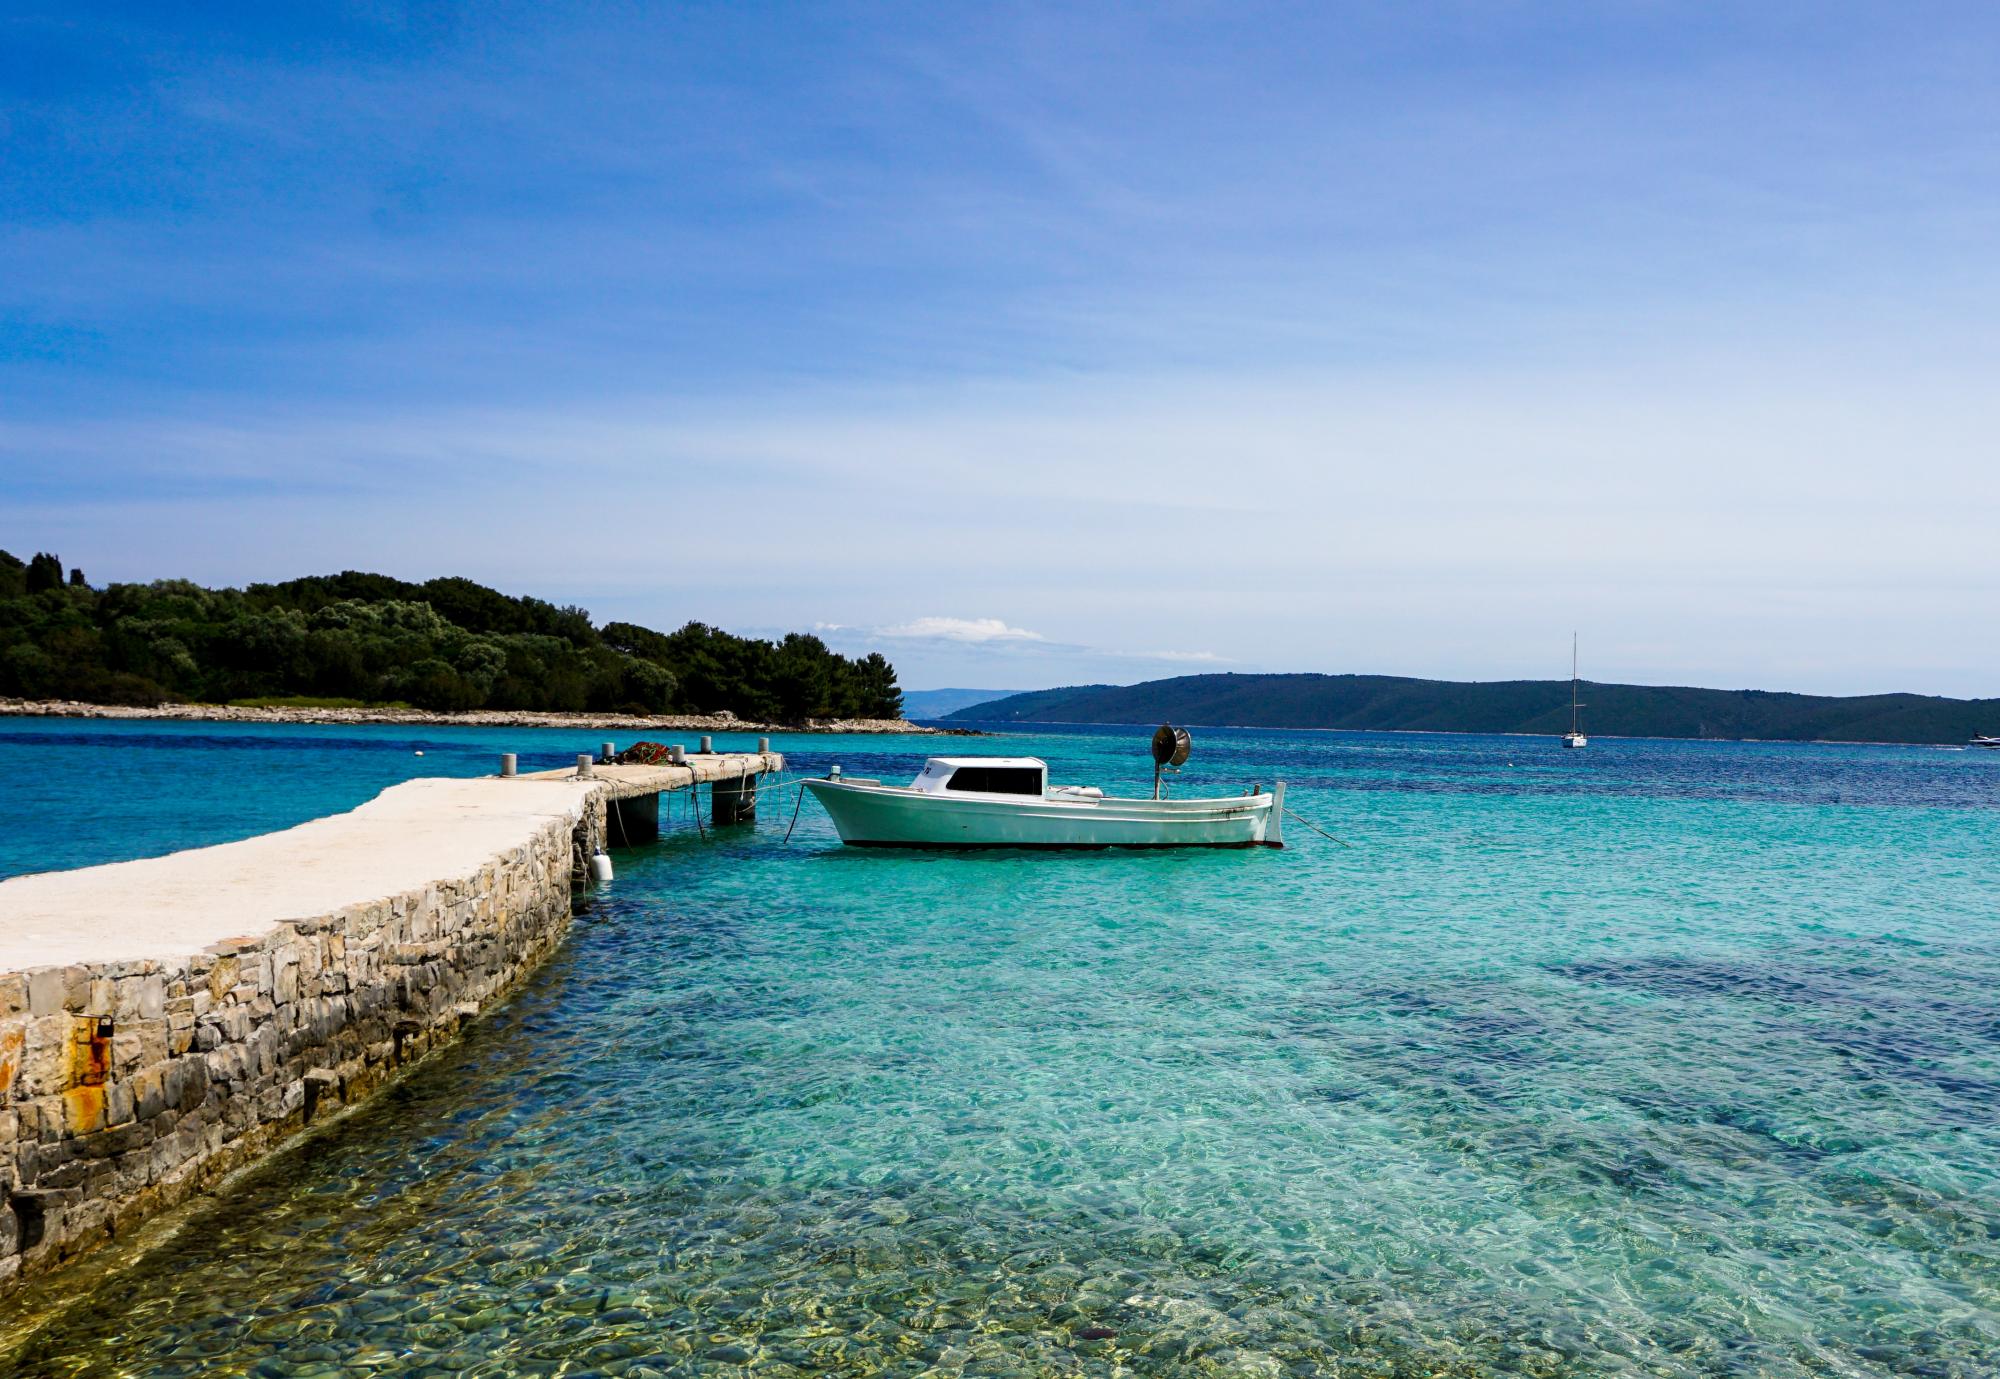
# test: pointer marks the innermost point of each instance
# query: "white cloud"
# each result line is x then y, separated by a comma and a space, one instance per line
974, 630
1202, 657
993, 636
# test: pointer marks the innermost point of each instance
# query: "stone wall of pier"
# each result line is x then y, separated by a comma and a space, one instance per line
127, 1087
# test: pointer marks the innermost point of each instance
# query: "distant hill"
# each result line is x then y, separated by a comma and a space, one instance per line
939, 702
1392, 703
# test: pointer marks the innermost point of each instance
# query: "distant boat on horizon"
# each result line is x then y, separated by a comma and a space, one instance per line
1574, 737
1983, 741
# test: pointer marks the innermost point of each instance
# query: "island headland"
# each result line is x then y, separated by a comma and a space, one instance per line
1391, 703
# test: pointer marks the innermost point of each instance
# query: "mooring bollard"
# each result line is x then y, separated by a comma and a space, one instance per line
583, 771
610, 753
708, 746
508, 765
677, 755
763, 746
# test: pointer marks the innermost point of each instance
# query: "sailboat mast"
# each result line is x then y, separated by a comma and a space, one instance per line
1572, 682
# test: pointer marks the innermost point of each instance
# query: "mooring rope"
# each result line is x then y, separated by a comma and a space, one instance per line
795, 811
655, 754
1296, 818
778, 786
694, 801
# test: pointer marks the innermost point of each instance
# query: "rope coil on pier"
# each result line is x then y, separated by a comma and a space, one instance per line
643, 754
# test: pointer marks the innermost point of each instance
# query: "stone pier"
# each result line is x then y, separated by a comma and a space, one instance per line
165, 1021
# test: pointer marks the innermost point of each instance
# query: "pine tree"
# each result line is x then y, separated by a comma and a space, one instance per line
44, 572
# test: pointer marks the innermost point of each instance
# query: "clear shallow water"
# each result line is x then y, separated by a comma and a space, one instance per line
79, 792
1661, 1059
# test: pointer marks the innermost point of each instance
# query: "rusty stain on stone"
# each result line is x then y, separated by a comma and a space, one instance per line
90, 1051
13, 1042
83, 1109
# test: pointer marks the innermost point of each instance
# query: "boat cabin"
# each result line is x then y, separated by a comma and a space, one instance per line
983, 776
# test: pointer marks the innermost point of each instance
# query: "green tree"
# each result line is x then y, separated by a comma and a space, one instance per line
447, 644
45, 572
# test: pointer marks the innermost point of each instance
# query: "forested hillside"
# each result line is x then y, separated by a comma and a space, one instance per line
446, 644
1385, 702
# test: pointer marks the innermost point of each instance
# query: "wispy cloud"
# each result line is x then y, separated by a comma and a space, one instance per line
997, 643
1195, 657
975, 630
962, 631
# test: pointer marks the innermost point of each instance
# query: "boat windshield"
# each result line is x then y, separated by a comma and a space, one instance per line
997, 780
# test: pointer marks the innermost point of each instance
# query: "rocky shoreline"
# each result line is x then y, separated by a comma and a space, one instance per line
478, 718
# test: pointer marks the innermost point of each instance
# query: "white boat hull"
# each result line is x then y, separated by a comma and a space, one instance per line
1575, 740
893, 816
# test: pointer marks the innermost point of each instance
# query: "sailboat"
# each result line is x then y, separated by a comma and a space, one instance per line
1574, 737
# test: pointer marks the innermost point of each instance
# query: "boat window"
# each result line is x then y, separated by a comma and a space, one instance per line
997, 780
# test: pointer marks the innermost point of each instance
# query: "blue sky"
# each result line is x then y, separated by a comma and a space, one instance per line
1036, 345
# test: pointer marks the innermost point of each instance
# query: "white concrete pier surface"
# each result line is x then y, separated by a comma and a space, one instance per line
164, 1021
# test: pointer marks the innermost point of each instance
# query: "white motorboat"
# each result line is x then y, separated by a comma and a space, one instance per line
1007, 802
1574, 737
1987, 742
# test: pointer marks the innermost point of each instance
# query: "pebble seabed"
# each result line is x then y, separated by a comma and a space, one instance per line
1723, 1103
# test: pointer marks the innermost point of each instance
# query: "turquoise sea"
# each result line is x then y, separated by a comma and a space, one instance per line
1660, 1059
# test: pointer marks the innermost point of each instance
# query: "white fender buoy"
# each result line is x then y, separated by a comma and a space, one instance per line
600, 866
